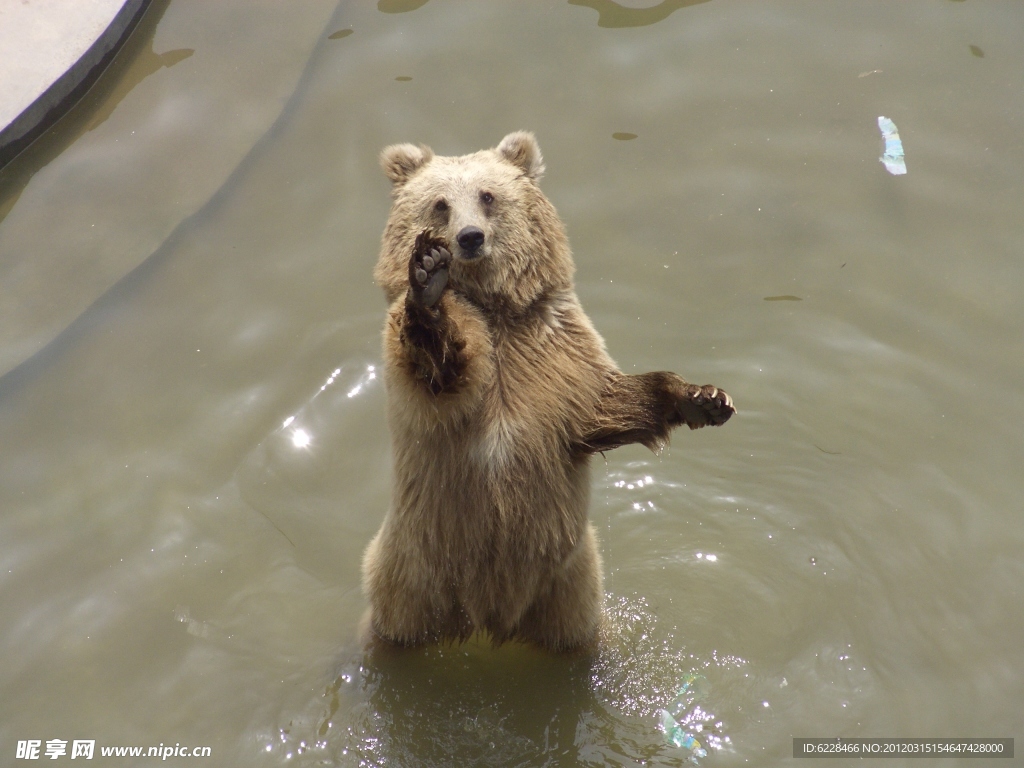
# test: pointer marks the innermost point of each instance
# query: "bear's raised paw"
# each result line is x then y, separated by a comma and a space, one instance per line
704, 406
428, 268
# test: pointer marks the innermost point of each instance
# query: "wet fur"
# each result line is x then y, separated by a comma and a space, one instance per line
497, 397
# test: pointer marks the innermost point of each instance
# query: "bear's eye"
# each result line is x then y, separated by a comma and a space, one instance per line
487, 198
441, 206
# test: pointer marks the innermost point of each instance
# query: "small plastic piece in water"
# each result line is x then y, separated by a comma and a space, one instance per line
677, 737
892, 158
695, 687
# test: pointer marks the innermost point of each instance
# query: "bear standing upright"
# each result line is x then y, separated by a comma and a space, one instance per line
499, 390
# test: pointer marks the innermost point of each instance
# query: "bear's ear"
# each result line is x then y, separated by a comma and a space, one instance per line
401, 161
521, 149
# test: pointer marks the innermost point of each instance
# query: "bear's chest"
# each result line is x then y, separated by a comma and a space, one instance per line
526, 404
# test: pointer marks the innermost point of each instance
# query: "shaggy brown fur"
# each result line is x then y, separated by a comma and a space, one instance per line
499, 390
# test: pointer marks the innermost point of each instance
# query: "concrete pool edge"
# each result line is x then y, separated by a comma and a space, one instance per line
67, 88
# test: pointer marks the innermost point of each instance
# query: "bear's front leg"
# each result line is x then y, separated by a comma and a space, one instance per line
645, 408
432, 344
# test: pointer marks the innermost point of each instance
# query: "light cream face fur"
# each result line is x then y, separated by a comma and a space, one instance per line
524, 250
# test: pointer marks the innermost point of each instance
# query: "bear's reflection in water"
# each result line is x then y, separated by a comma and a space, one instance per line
472, 704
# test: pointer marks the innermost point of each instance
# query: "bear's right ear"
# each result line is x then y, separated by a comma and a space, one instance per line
401, 161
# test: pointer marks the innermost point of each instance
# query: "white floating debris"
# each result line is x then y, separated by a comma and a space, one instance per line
892, 158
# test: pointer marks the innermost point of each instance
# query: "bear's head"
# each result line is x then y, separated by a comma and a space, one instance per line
508, 244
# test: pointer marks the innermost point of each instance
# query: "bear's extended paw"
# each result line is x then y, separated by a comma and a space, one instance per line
428, 269
703, 406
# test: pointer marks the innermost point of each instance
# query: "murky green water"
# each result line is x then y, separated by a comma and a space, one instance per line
186, 266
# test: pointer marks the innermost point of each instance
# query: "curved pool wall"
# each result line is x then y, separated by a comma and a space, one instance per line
51, 54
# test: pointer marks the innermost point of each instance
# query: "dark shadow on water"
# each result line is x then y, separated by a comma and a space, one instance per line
615, 16
475, 705
466, 705
399, 6
146, 63
133, 63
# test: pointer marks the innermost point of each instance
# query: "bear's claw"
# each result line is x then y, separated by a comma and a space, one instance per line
428, 269
704, 406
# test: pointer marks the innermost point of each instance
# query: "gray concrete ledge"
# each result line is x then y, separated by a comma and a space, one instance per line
51, 54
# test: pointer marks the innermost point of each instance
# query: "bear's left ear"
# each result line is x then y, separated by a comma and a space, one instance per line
521, 149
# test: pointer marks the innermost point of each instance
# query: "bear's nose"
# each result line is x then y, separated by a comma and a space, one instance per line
470, 238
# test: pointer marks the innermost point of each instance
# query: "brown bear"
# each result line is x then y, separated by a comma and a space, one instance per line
499, 390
